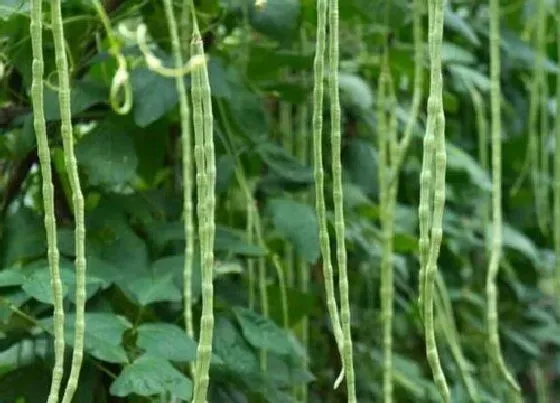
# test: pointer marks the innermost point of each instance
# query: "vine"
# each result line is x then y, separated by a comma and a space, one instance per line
38, 68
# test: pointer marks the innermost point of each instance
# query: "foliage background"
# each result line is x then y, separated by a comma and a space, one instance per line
130, 166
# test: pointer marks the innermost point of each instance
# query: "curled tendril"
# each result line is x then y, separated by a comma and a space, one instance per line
121, 81
155, 64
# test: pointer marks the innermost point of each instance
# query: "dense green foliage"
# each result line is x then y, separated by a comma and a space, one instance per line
262, 131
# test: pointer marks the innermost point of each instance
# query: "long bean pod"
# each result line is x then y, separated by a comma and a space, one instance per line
338, 196
38, 68
496, 250
186, 145
318, 93
436, 123
77, 197
206, 163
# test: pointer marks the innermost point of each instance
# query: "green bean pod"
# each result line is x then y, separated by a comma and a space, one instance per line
186, 145
435, 129
338, 196
77, 197
36, 28
496, 249
317, 122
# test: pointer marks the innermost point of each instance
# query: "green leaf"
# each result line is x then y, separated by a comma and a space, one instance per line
263, 333
518, 241
470, 77
355, 92
283, 164
11, 276
454, 53
149, 376
24, 236
154, 96
38, 284
460, 160
459, 25
84, 94
231, 347
234, 241
167, 341
107, 154
103, 334
148, 290
278, 19
174, 265
29, 382
10, 7
298, 223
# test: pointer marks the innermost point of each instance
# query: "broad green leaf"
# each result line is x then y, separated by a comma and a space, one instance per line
150, 376
148, 290
454, 53
103, 334
11, 276
360, 160
167, 341
353, 196
283, 164
15, 299
38, 285
459, 25
234, 241
298, 223
237, 356
10, 7
107, 154
173, 265
24, 236
278, 19
154, 96
263, 333
30, 382
470, 77
299, 304
355, 92
458, 159
83, 95
518, 241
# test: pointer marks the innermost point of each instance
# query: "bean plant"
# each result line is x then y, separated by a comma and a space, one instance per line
210, 275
